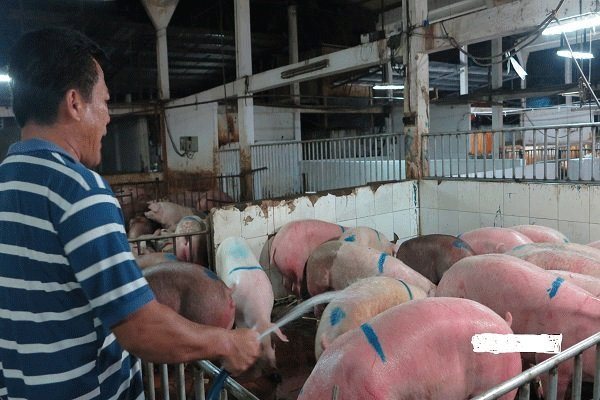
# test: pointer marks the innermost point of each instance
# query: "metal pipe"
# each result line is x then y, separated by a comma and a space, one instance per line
577, 378
164, 381
150, 379
534, 155
181, 381
596, 391
545, 154
580, 152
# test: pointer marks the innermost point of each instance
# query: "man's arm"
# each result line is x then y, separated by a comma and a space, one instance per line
157, 334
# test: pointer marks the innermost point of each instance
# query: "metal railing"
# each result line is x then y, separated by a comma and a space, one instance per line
290, 167
551, 365
546, 153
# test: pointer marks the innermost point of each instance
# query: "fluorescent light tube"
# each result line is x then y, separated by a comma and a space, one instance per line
580, 55
571, 24
4, 78
388, 87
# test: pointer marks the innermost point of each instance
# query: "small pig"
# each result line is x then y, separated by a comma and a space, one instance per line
149, 259
336, 265
193, 291
432, 255
369, 237
238, 267
494, 240
560, 256
212, 198
141, 225
417, 350
539, 302
168, 214
192, 248
293, 244
360, 302
586, 282
541, 234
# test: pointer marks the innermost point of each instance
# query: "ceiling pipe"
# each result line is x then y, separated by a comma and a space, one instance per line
160, 13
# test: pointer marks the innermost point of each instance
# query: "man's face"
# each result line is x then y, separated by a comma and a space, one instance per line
94, 121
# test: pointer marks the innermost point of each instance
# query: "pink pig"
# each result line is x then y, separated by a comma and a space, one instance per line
168, 214
493, 240
368, 237
539, 302
238, 267
293, 244
417, 350
541, 234
589, 283
336, 265
360, 302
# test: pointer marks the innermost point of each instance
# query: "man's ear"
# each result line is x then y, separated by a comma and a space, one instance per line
73, 104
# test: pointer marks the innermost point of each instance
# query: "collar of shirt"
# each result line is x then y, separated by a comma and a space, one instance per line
36, 144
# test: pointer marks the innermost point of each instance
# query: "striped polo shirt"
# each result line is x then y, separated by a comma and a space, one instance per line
66, 276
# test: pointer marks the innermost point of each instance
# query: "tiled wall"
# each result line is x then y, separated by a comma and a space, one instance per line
390, 208
454, 207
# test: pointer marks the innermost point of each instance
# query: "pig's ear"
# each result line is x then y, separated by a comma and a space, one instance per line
508, 318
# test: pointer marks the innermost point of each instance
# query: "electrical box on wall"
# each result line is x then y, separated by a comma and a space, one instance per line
188, 144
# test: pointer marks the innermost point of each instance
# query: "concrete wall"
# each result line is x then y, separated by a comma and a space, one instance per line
454, 207
271, 124
390, 208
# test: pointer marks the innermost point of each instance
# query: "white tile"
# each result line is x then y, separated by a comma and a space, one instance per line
349, 223
491, 197
428, 194
414, 221
594, 202
325, 208
594, 232
491, 220
512, 220
403, 223
365, 202
448, 196
429, 221
405, 195
543, 198
550, 223
577, 232
467, 221
384, 200
367, 221
574, 203
384, 223
302, 208
254, 222
516, 199
256, 245
345, 207
468, 197
226, 223
448, 222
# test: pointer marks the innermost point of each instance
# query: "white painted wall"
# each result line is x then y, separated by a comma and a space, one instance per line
449, 118
200, 121
390, 208
454, 207
272, 123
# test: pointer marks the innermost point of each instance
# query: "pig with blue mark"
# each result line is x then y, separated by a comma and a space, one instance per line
238, 267
432, 255
541, 234
335, 265
490, 240
417, 350
369, 237
539, 302
360, 302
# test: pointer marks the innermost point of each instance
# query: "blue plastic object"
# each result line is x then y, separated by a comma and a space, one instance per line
217, 386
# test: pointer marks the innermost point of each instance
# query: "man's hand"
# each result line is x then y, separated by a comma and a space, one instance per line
243, 350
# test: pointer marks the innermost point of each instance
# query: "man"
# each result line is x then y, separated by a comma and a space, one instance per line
74, 307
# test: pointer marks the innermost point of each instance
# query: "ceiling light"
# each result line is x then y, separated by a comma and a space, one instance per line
4, 78
580, 55
387, 86
570, 24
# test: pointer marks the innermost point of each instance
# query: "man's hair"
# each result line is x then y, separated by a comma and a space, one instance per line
44, 65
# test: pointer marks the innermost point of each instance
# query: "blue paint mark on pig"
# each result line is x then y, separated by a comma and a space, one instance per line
211, 274
460, 244
373, 340
350, 238
381, 261
170, 256
337, 315
237, 251
249, 268
555, 286
410, 295
342, 228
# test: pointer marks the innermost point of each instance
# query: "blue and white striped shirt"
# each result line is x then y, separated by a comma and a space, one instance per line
66, 276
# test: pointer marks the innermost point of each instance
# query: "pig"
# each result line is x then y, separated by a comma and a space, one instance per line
432, 255
168, 214
336, 265
360, 302
141, 225
293, 244
396, 355
560, 256
150, 259
589, 283
539, 302
368, 237
595, 244
212, 198
193, 291
193, 248
494, 240
238, 267
541, 234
